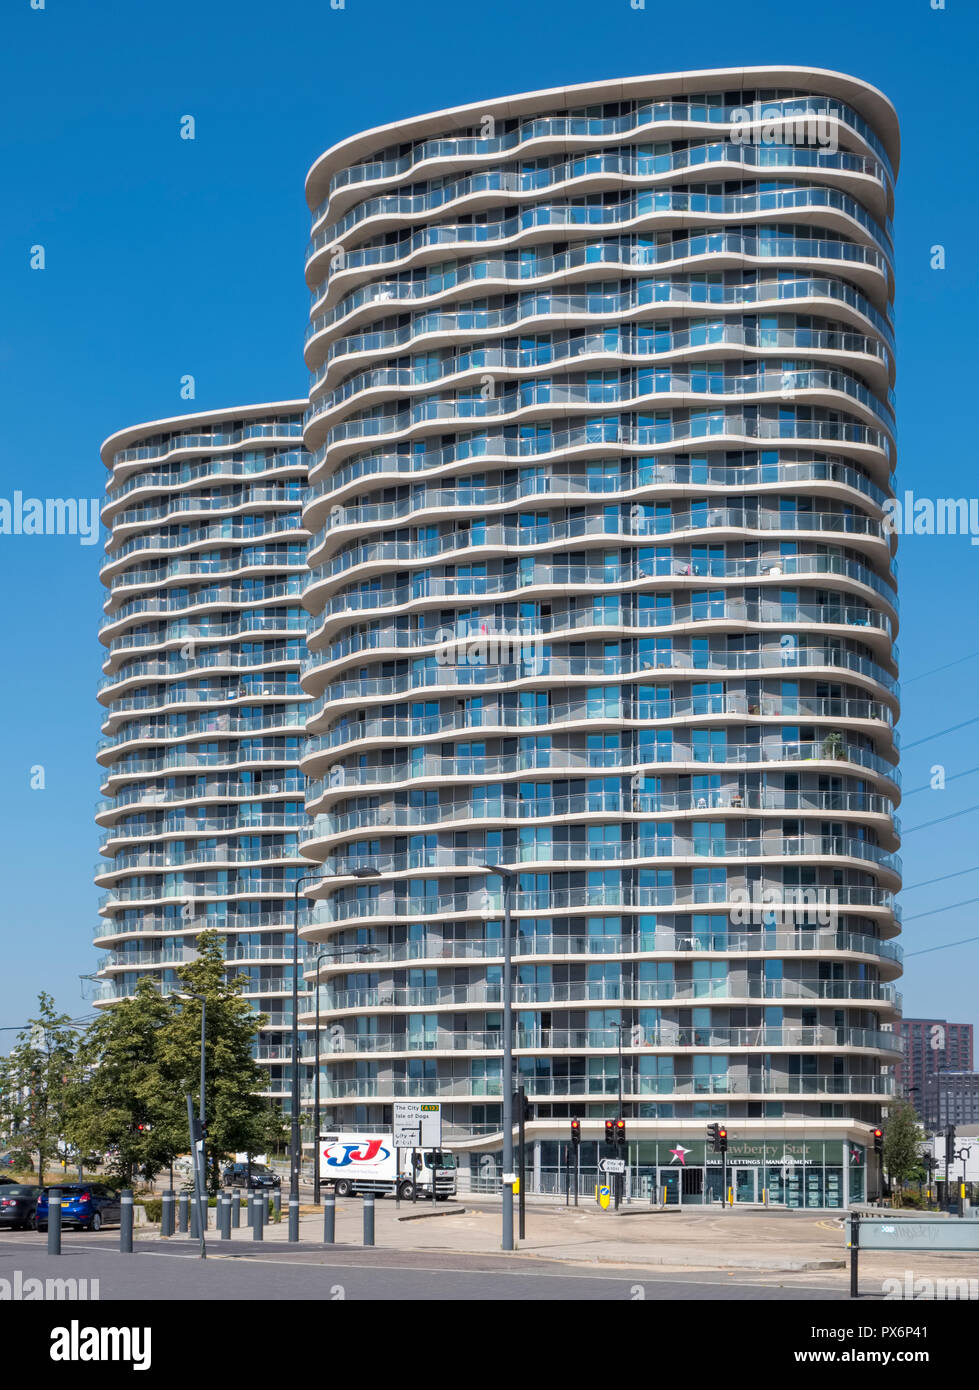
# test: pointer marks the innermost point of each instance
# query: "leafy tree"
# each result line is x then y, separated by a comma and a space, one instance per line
903, 1137
119, 1103
237, 1115
36, 1078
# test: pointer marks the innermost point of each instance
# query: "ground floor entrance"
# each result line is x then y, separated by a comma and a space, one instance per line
814, 1174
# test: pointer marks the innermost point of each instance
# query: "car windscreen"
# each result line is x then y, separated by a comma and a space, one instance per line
437, 1158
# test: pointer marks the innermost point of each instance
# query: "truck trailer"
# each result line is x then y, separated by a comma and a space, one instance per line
356, 1163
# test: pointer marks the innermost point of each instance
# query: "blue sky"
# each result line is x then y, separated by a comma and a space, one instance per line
166, 257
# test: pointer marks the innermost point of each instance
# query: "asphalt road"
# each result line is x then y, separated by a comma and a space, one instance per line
336, 1273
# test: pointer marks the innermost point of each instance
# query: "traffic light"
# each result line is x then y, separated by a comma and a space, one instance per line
521, 1107
722, 1139
576, 1131
610, 1131
712, 1131
620, 1132
949, 1148
878, 1140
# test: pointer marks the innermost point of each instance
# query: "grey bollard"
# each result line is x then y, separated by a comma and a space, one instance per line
166, 1215
224, 1216
235, 1208
293, 1218
258, 1225
54, 1221
126, 1221
195, 1219
277, 1204
368, 1218
183, 1210
329, 1219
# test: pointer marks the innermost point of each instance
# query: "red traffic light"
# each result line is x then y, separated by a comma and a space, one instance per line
576, 1131
878, 1134
620, 1131
610, 1131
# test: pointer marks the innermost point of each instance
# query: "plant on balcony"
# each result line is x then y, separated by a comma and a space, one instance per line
833, 746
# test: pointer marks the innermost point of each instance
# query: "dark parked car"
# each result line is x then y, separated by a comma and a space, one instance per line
87, 1204
18, 1205
236, 1175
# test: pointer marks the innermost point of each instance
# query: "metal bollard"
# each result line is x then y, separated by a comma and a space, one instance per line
293, 1218
258, 1225
277, 1204
854, 1254
368, 1218
235, 1208
329, 1219
183, 1208
126, 1221
166, 1215
224, 1215
54, 1221
195, 1218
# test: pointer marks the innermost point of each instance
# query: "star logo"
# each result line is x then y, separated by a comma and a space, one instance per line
679, 1153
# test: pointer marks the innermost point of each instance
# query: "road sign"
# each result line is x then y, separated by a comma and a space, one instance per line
409, 1114
406, 1137
612, 1165
604, 1197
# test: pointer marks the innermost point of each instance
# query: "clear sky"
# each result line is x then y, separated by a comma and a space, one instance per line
166, 257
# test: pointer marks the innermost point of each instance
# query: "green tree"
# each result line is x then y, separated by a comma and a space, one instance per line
118, 1103
237, 1115
36, 1077
903, 1137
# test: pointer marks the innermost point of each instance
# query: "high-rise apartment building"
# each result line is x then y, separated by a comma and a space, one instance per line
933, 1049
204, 714
601, 434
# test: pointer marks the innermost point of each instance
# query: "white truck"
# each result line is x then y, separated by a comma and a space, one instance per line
356, 1163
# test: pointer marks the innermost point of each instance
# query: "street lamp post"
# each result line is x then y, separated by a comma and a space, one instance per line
201, 1185
295, 1139
325, 955
294, 1132
509, 877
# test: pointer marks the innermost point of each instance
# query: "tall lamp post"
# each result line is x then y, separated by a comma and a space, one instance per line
337, 955
509, 877
201, 1184
295, 1140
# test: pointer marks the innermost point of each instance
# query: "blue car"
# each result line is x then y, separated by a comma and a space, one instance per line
86, 1204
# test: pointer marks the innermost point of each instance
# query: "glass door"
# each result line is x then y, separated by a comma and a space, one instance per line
743, 1180
668, 1180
